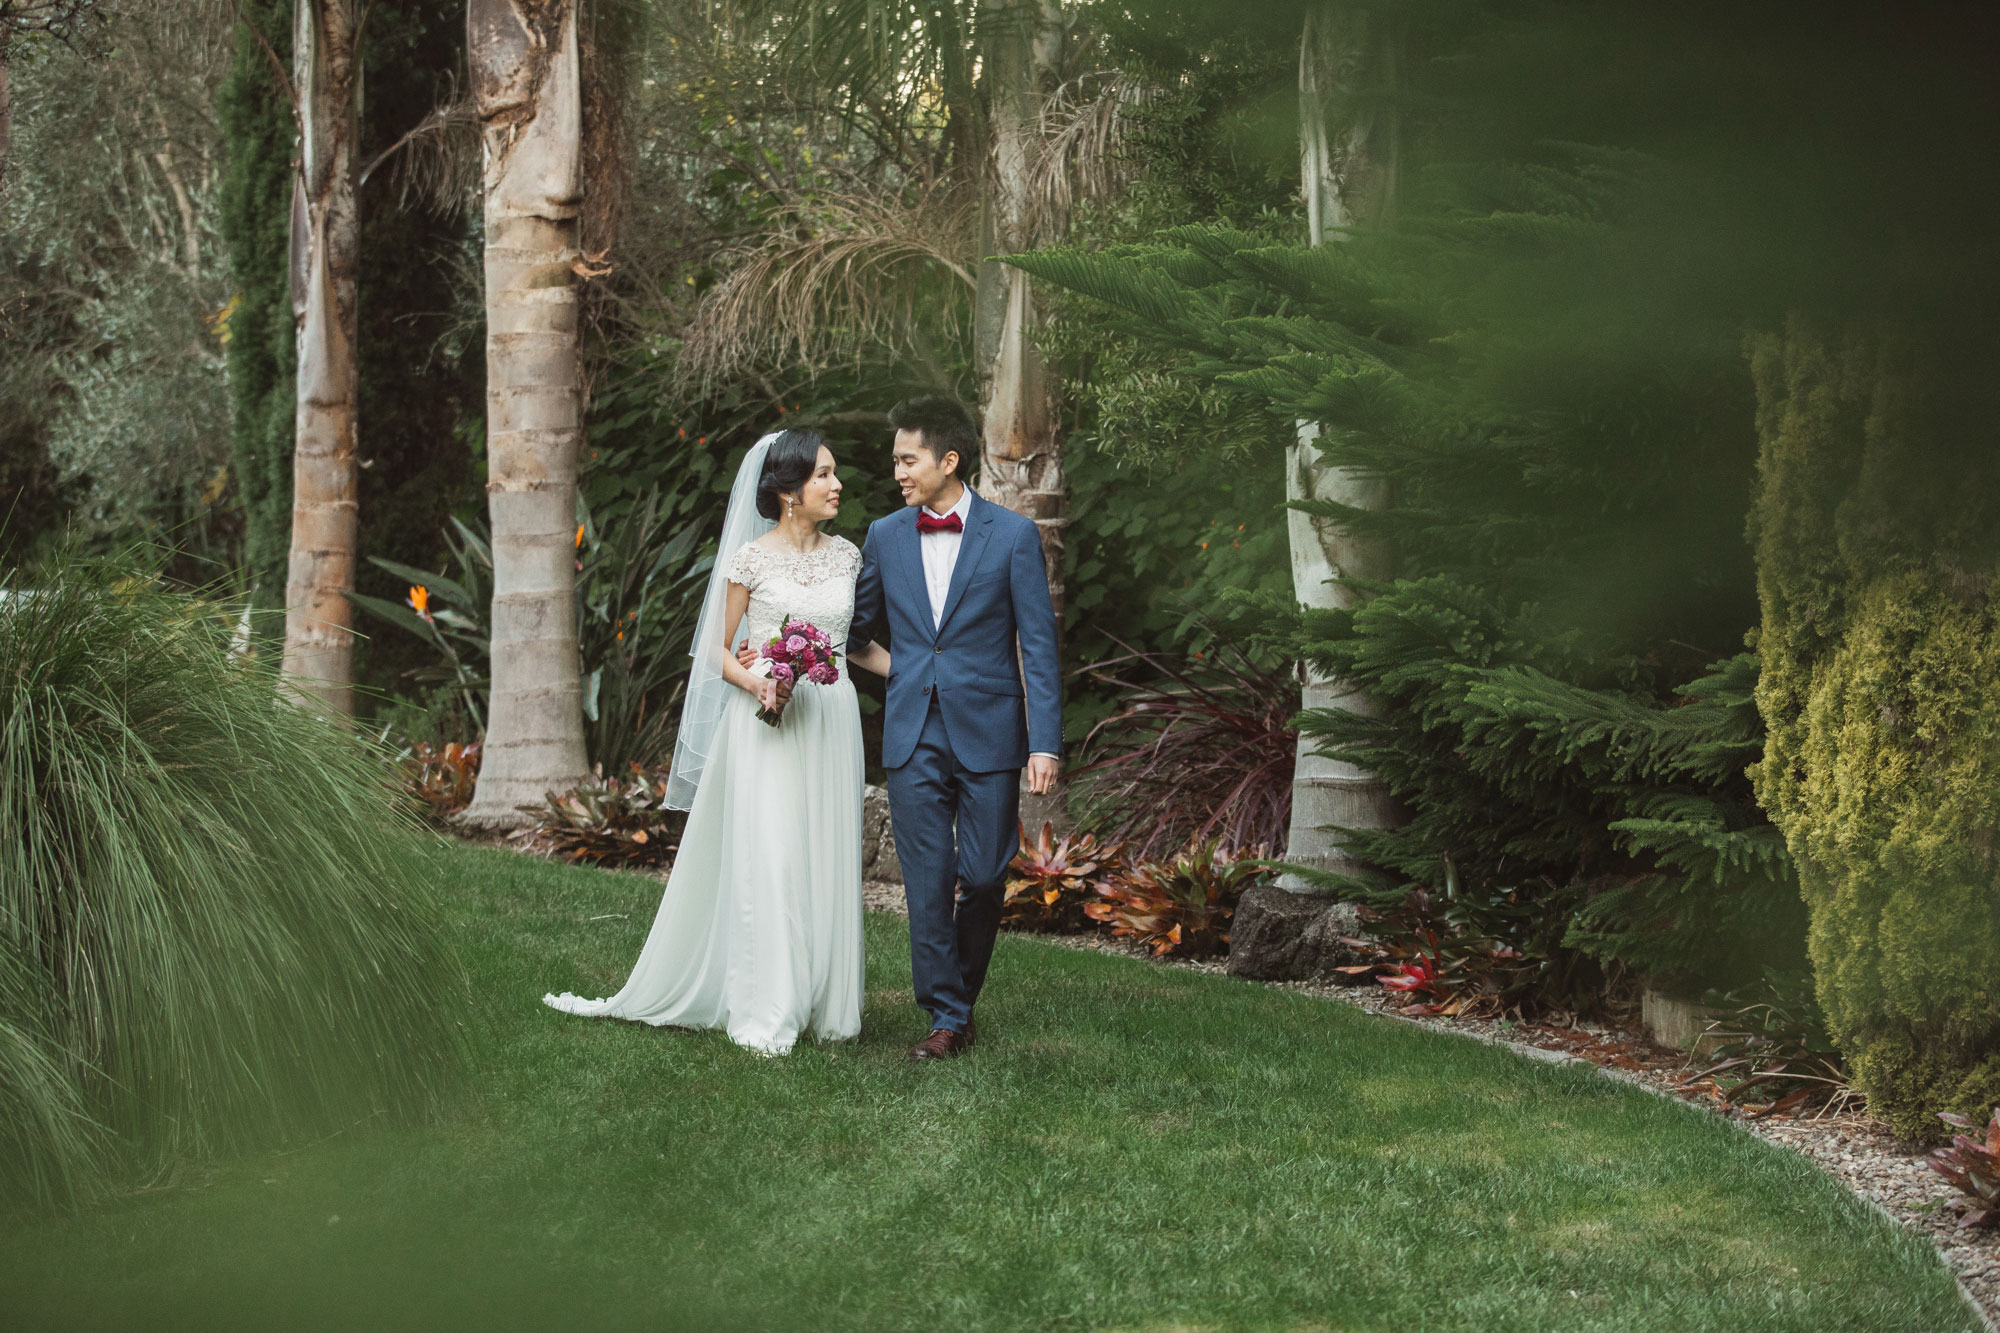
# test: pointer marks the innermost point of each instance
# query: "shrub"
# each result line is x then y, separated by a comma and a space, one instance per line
1052, 881
1182, 905
1874, 526
215, 931
1201, 747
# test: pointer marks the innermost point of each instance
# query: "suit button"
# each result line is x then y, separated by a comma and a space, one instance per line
927, 689
937, 650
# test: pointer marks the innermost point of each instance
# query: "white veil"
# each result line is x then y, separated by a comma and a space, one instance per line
707, 691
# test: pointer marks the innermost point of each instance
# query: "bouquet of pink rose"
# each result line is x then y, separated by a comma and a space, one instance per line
799, 651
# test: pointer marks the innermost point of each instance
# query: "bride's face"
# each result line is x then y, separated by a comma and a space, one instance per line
819, 498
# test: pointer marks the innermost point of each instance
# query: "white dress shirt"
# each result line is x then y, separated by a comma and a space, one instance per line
941, 554
940, 551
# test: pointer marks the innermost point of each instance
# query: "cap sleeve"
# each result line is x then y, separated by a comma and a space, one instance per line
745, 567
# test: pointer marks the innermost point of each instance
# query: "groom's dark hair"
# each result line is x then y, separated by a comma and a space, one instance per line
943, 424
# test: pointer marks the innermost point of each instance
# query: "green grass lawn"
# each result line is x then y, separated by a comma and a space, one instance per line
1131, 1147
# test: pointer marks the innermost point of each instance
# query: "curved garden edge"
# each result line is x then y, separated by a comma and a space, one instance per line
1855, 1150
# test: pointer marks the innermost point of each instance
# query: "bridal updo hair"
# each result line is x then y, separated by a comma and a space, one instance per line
788, 465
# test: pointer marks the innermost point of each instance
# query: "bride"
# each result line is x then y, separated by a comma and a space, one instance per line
759, 931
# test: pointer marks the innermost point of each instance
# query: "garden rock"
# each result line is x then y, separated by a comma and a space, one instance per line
1278, 935
878, 839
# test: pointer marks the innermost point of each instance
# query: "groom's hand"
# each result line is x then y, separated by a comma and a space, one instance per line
1041, 774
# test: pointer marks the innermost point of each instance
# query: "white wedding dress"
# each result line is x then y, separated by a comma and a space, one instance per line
759, 931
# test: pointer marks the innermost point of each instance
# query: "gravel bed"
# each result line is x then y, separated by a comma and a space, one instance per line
1842, 1139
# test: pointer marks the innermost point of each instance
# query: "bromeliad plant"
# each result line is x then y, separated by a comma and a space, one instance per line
1052, 881
612, 822
1473, 954
1182, 905
1972, 1167
441, 777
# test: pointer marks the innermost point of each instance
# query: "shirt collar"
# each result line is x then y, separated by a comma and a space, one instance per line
962, 508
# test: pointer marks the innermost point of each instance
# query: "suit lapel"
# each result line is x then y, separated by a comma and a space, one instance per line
909, 559
971, 546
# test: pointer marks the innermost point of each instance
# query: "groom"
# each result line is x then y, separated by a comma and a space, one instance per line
951, 583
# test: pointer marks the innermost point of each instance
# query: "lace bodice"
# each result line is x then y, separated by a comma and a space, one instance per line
817, 586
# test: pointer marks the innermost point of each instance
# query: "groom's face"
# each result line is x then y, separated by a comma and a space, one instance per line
922, 476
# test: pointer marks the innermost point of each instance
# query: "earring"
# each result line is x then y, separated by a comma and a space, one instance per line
788, 507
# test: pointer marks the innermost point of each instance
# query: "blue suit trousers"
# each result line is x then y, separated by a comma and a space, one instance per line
956, 831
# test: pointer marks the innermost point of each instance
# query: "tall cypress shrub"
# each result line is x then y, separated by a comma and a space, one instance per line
260, 142
419, 377
1877, 528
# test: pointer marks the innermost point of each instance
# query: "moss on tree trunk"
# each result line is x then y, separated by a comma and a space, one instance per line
1874, 530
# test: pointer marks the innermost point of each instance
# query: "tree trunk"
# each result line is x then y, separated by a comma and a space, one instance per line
325, 234
1348, 166
1021, 461
527, 78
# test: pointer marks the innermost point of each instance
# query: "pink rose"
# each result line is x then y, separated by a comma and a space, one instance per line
796, 644
823, 674
781, 672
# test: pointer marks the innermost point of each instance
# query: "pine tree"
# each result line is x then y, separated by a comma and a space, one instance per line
1563, 517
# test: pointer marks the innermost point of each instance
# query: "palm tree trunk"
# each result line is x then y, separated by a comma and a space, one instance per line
325, 236
527, 77
1348, 160
1021, 461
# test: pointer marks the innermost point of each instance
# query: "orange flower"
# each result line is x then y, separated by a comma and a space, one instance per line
579, 536
420, 601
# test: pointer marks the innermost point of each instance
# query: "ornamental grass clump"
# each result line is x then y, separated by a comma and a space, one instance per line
216, 930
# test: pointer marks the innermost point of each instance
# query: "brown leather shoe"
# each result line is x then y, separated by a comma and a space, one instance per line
942, 1044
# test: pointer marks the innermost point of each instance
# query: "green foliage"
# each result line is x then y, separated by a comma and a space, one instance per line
258, 134
1563, 499
1774, 1045
215, 929
113, 404
638, 590
1875, 529
421, 345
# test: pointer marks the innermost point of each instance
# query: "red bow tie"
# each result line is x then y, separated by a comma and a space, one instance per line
929, 522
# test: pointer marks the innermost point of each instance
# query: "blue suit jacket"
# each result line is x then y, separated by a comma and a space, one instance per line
997, 708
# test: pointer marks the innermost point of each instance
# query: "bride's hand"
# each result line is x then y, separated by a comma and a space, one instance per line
767, 694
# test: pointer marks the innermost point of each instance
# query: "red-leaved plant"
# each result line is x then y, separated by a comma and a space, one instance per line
1052, 880
1201, 748
1972, 1167
441, 778
1182, 905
